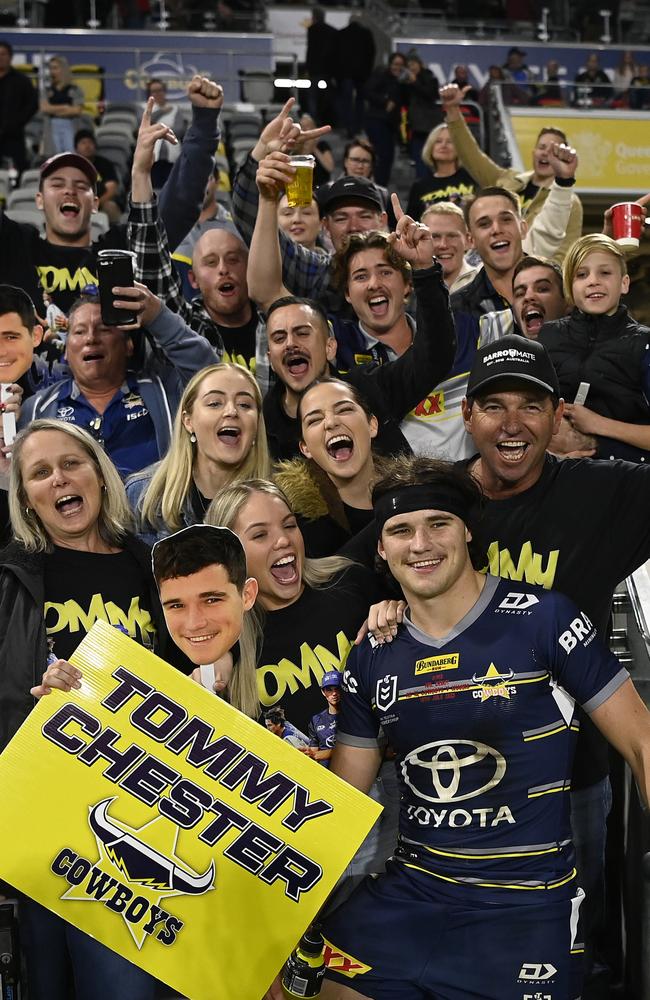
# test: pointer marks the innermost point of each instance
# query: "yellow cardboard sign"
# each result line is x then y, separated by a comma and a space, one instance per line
613, 150
169, 826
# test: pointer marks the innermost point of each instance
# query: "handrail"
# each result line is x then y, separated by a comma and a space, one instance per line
638, 587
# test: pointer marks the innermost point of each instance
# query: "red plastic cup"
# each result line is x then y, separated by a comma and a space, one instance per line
627, 223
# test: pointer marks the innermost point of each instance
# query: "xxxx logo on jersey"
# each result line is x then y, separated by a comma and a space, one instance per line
340, 961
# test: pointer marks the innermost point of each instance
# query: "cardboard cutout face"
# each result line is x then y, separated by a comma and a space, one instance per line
17, 345
204, 606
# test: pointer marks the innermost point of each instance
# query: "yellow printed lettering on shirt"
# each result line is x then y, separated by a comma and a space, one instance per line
71, 616
529, 566
276, 679
239, 359
59, 279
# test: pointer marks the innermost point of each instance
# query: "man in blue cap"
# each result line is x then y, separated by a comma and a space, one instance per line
322, 728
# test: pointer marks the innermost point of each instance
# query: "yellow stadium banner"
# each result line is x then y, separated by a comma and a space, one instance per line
613, 150
183, 835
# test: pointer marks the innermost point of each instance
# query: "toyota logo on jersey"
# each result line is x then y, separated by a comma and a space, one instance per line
452, 770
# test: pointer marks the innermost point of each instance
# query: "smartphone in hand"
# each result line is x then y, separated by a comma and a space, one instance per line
115, 268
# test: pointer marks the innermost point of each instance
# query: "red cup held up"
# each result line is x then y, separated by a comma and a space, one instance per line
627, 223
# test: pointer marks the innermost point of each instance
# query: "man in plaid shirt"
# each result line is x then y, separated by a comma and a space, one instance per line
223, 313
304, 272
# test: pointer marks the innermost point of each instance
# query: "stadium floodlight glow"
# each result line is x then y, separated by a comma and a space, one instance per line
285, 82
542, 27
606, 36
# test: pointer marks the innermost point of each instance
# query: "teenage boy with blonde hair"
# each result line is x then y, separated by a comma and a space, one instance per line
448, 228
601, 345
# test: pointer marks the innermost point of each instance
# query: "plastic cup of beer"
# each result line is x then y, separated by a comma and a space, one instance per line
299, 191
627, 223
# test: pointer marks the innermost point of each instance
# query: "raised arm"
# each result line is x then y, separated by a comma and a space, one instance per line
559, 221
470, 155
183, 348
182, 195
304, 272
265, 262
411, 377
146, 234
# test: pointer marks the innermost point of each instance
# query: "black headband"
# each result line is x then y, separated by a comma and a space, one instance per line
408, 499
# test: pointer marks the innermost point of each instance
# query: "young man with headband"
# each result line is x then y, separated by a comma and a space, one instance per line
478, 695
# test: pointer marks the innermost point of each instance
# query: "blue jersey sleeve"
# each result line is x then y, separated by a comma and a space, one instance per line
357, 723
579, 662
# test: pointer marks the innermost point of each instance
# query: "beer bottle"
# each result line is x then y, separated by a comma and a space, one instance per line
304, 971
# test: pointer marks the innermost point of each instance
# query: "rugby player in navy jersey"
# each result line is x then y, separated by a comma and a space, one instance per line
578, 526
322, 728
478, 695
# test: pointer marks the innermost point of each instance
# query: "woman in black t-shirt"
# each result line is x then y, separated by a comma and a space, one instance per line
329, 488
311, 608
73, 562
448, 180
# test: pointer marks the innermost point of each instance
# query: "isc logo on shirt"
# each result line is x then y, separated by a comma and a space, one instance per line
433, 664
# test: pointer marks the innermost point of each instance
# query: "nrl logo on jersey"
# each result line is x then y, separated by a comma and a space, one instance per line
494, 684
386, 692
517, 604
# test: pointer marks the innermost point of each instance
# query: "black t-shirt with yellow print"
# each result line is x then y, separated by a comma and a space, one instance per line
84, 587
309, 637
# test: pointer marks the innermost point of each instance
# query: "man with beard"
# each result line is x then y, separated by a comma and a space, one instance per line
301, 342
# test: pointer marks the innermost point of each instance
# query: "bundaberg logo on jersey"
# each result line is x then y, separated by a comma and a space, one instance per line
436, 664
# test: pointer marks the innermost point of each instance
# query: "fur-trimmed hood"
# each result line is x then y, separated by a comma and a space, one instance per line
310, 492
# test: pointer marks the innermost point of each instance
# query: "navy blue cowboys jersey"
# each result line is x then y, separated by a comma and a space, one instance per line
322, 731
483, 722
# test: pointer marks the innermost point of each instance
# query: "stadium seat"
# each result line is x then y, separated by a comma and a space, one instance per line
30, 178
99, 223
118, 132
21, 198
34, 217
90, 78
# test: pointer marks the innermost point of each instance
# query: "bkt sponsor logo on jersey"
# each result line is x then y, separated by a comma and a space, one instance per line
517, 604
580, 630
